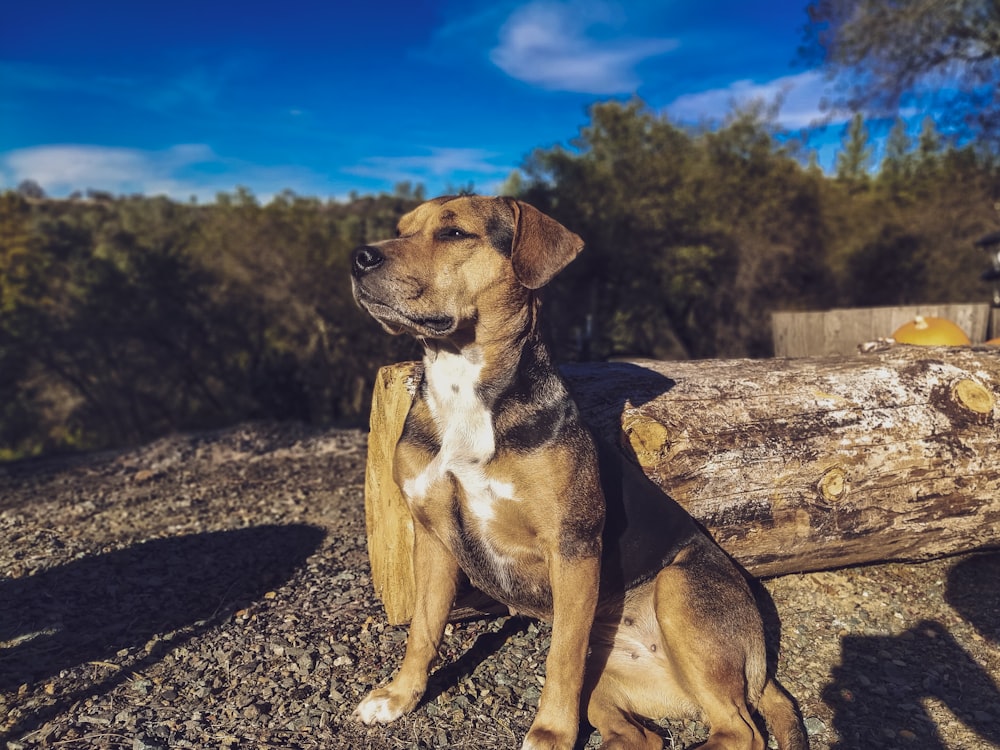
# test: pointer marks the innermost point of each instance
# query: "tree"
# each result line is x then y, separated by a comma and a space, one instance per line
855, 156
897, 162
692, 237
926, 54
929, 148
31, 190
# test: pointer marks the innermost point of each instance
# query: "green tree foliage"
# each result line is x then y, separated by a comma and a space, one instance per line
897, 165
125, 318
855, 156
121, 319
926, 53
690, 236
909, 238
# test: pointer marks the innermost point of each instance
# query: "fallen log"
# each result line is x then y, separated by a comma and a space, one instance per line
791, 464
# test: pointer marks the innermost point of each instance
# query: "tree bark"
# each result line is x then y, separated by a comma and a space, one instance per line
791, 464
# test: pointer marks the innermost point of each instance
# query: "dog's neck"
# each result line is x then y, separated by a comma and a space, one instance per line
490, 351
505, 386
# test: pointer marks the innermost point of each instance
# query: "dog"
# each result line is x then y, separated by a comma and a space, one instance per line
507, 486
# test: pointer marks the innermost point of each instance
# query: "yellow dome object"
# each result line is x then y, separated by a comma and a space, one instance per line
993, 342
929, 331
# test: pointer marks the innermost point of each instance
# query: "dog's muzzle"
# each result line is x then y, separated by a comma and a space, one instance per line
365, 259
369, 294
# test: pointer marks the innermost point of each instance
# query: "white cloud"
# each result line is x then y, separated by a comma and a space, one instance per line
799, 95
450, 163
551, 45
178, 172
63, 168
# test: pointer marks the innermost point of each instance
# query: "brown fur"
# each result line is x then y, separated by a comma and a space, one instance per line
505, 483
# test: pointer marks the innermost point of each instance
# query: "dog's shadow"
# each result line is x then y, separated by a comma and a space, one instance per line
147, 598
882, 691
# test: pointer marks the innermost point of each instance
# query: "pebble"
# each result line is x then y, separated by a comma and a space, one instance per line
814, 725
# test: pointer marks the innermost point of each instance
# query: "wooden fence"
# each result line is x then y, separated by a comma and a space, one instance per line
838, 332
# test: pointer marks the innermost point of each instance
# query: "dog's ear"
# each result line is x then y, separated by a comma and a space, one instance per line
542, 246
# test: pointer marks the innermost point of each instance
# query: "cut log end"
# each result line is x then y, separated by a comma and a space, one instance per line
973, 396
833, 485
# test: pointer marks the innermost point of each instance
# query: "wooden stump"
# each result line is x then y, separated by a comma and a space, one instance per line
792, 465
388, 522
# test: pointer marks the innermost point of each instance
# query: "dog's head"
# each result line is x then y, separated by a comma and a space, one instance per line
458, 260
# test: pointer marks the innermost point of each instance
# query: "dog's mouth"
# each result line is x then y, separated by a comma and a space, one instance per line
395, 321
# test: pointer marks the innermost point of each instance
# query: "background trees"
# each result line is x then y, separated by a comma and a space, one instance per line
694, 238
936, 56
121, 319
124, 318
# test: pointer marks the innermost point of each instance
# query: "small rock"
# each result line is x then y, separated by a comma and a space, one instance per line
814, 726
305, 663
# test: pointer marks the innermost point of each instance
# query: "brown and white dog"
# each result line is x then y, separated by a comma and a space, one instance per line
650, 619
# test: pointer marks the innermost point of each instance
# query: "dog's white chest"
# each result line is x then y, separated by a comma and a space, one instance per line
466, 424
465, 428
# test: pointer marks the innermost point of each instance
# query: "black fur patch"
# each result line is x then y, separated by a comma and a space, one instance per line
500, 234
542, 425
420, 433
532, 408
644, 529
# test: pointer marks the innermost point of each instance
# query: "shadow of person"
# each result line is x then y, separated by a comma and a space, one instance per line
881, 689
973, 589
91, 609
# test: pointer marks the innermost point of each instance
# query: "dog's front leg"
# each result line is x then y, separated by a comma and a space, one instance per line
436, 574
574, 599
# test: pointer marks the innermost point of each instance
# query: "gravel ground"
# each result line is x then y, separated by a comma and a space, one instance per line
212, 591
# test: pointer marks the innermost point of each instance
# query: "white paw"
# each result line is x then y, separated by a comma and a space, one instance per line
377, 709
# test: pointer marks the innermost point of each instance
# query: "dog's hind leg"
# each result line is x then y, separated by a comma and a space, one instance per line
714, 635
782, 716
619, 729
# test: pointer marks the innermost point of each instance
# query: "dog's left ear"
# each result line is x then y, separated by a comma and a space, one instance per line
542, 246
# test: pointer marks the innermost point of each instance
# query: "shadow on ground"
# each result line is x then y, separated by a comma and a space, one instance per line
88, 610
882, 687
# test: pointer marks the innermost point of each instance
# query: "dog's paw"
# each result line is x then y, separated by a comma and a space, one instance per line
384, 705
540, 738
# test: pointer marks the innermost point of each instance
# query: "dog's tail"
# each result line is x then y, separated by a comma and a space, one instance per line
782, 716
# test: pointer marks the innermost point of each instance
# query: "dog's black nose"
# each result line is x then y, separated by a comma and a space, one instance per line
366, 258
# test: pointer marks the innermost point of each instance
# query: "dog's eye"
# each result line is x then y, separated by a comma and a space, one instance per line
453, 233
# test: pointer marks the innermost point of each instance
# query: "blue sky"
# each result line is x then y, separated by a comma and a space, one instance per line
187, 99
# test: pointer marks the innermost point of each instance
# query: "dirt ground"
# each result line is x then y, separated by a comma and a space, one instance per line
212, 591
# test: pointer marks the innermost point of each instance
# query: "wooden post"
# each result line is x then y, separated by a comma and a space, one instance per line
792, 465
